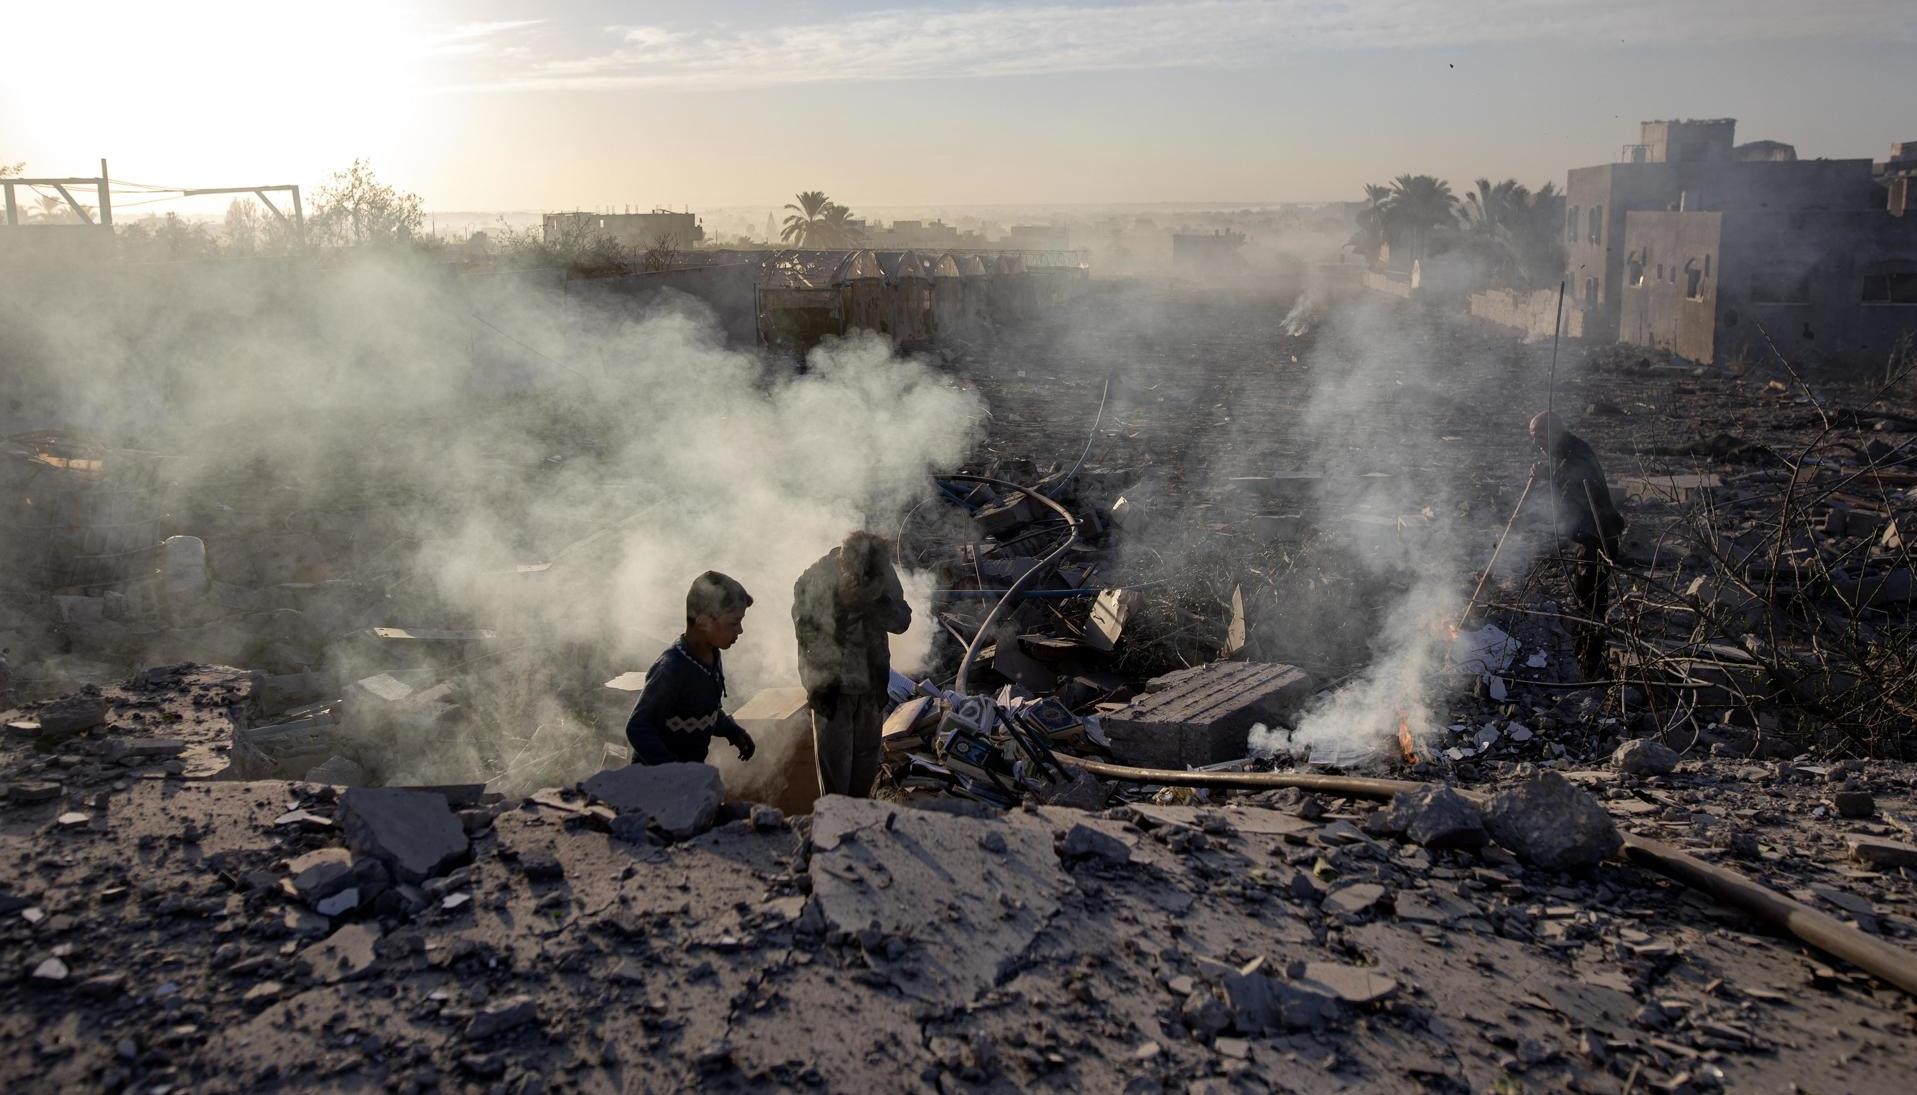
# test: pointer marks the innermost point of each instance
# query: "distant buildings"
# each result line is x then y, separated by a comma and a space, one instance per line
638, 231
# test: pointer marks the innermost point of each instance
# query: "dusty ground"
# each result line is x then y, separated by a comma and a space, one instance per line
150, 939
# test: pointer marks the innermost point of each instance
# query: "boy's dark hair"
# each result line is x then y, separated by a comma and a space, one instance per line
713, 593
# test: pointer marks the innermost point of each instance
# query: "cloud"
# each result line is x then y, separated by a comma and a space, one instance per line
1031, 40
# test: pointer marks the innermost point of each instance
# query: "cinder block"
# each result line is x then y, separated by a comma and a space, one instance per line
1204, 715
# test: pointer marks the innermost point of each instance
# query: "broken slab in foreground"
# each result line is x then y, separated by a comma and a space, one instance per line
966, 895
1204, 715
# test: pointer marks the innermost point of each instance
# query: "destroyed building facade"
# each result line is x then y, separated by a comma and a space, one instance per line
1702, 247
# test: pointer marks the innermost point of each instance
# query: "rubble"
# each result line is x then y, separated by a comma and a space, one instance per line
414, 833
1645, 757
1547, 822
681, 799
1042, 926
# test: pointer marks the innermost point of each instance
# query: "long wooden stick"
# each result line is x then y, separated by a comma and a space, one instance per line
1486, 575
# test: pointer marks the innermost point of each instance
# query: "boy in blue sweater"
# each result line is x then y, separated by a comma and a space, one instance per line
681, 708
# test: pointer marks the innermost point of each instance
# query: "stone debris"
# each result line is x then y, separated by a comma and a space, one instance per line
346, 955
500, 1016
681, 799
414, 833
1083, 841
1645, 757
1548, 823
73, 714
1438, 818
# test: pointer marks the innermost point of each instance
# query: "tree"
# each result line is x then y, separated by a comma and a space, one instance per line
55, 210
802, 224
1417, 205
354, 208
13, 170
166, 239
838, 229
663, 253
1515, 232
1371, 221
243, 226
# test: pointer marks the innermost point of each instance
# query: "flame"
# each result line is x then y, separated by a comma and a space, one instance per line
1406, 743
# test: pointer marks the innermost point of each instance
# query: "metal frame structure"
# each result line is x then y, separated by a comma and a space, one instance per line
60, 186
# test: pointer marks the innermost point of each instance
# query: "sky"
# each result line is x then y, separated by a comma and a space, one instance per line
515, 105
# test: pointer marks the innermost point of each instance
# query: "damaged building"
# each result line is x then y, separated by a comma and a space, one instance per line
1714, 250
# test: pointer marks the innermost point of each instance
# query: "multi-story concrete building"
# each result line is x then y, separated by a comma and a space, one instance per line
1722, 253
1689, 166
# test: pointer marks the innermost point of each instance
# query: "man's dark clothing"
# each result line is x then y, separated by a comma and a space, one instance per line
1584, 508
845, 664
679, 711
1587, 517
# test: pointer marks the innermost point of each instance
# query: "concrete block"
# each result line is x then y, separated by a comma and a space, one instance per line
1204, 715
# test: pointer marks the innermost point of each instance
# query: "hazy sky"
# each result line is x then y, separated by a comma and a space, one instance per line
509, 104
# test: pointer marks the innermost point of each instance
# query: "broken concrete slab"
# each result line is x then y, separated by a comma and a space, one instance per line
681, 799
1354, 985
415, 833
1881, 853
928, 879
74, 714
500, 1016
1083, 841
339, 771
321, 874
1260, 1002
346, 955
1205, 715
1354, 899
1547, 822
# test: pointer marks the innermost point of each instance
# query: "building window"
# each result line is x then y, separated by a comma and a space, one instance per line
1781, 283
1590, 294
1693, 280
1597, 224
1635, 271
1660, 271
1890, 283
1571, 225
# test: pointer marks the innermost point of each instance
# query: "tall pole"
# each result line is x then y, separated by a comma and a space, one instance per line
106, 198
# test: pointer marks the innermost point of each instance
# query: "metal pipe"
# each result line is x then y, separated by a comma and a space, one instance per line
961, 682
1891, 964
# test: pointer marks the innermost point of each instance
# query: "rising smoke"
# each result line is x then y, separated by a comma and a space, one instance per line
492, 452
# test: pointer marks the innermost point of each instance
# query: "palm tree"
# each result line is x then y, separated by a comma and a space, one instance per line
801, 227
837, 226
1371, 222
1515, 232
1418, 204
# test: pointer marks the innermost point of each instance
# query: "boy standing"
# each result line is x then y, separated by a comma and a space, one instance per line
680, 709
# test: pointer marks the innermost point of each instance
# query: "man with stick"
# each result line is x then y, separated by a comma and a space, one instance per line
1586, 517
844, 608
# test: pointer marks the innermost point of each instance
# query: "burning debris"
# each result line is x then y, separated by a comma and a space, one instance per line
1131, 771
